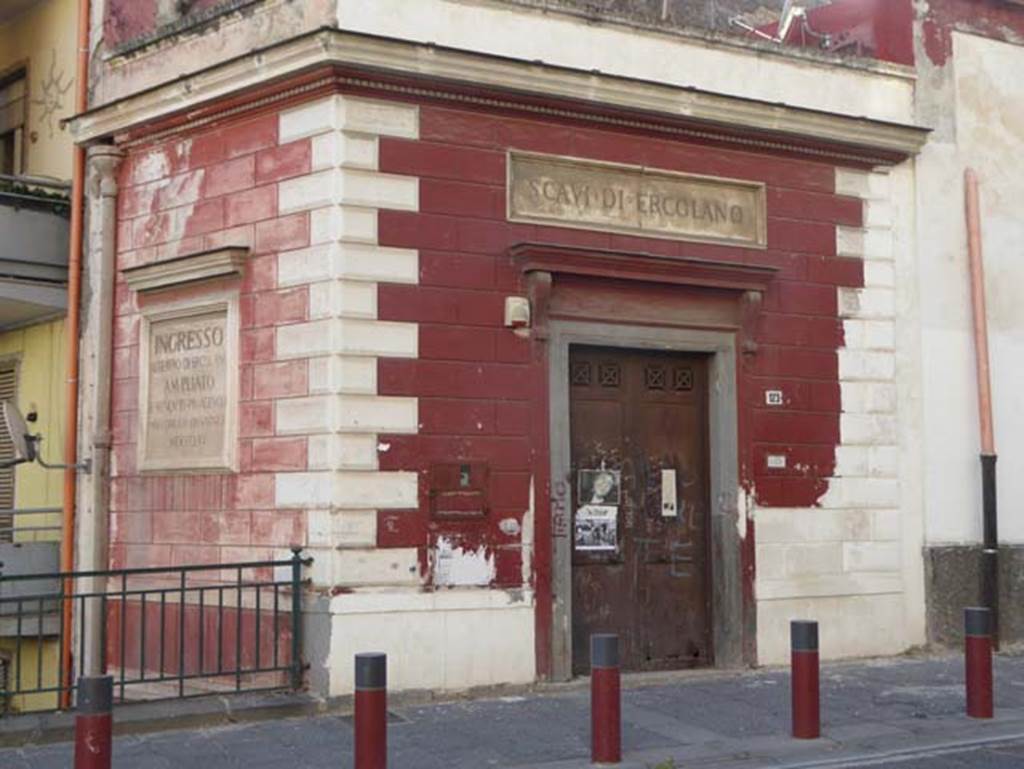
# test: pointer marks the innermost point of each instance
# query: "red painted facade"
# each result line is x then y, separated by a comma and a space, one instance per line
885, 29
877, 29
129, 20
482, 390
196, 192
476, 380
995, 19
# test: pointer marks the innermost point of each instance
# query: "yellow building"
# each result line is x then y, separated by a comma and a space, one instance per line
37, 83
37, 58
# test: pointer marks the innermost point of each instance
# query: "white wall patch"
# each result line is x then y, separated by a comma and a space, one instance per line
455, 566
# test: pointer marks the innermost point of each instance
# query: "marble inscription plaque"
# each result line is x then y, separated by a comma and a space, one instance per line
641, 201
186, 390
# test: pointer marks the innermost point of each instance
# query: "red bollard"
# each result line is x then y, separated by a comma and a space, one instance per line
605, 701
371, 719
806, 695
978, 662
94, 722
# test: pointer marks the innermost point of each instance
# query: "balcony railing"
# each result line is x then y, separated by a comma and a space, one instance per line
34, 232
36, 193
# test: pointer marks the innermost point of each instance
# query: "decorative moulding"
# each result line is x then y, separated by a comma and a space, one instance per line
205, 265
624, 265
408, 69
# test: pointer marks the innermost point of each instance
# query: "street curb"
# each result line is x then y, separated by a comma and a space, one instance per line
144, 717
783, 752
907, 754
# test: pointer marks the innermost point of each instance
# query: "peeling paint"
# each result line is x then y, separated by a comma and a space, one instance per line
455, 566
527, 537
940, 18
152, 165
744, 510
184, 188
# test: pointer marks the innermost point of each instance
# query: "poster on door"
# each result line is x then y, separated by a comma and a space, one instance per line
597, 528
597, 518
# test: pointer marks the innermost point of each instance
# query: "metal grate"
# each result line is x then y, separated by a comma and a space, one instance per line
682, 379
609, 374
655, 377
581, 373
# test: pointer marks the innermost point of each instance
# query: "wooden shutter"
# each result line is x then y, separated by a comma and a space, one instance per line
13, 112
12, 104
8, 392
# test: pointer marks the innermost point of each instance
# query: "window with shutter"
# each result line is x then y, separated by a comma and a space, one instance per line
13, 111
8, 391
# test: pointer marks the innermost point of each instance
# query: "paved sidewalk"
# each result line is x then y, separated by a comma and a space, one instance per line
879, 713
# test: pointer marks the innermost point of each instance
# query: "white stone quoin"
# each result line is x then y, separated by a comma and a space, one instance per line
849, 563
475, 636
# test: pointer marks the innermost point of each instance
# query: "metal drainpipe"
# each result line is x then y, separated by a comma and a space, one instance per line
990, 548
67, 544
94, 518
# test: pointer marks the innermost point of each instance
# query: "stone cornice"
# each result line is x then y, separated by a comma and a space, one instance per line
425, 71
207, 265
678, 270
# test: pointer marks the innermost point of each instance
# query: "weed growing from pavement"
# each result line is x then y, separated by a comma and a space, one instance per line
670, 764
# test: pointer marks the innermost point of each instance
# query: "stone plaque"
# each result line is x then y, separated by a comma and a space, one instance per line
188, 389
567, 192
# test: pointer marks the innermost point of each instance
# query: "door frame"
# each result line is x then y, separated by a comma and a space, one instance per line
727, 526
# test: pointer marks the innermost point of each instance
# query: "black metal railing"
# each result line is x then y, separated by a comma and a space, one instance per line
161, 632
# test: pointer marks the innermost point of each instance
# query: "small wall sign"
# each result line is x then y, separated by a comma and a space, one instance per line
573, 192
188, 391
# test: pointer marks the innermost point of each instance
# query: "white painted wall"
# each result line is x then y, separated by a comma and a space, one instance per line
882, 92
444, 640
854, 562
668, 58
985, 131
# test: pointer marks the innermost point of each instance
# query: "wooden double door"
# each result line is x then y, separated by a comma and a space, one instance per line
640, 501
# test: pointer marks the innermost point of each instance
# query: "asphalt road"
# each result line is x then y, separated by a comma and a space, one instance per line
998, 756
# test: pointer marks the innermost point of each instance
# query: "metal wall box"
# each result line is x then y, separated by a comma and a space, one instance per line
459, 490
29, 558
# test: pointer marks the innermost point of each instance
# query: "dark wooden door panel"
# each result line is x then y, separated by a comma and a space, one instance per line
641, 416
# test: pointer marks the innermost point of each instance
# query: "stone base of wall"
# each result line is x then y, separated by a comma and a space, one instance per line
953, 581
849, 626
445, 640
